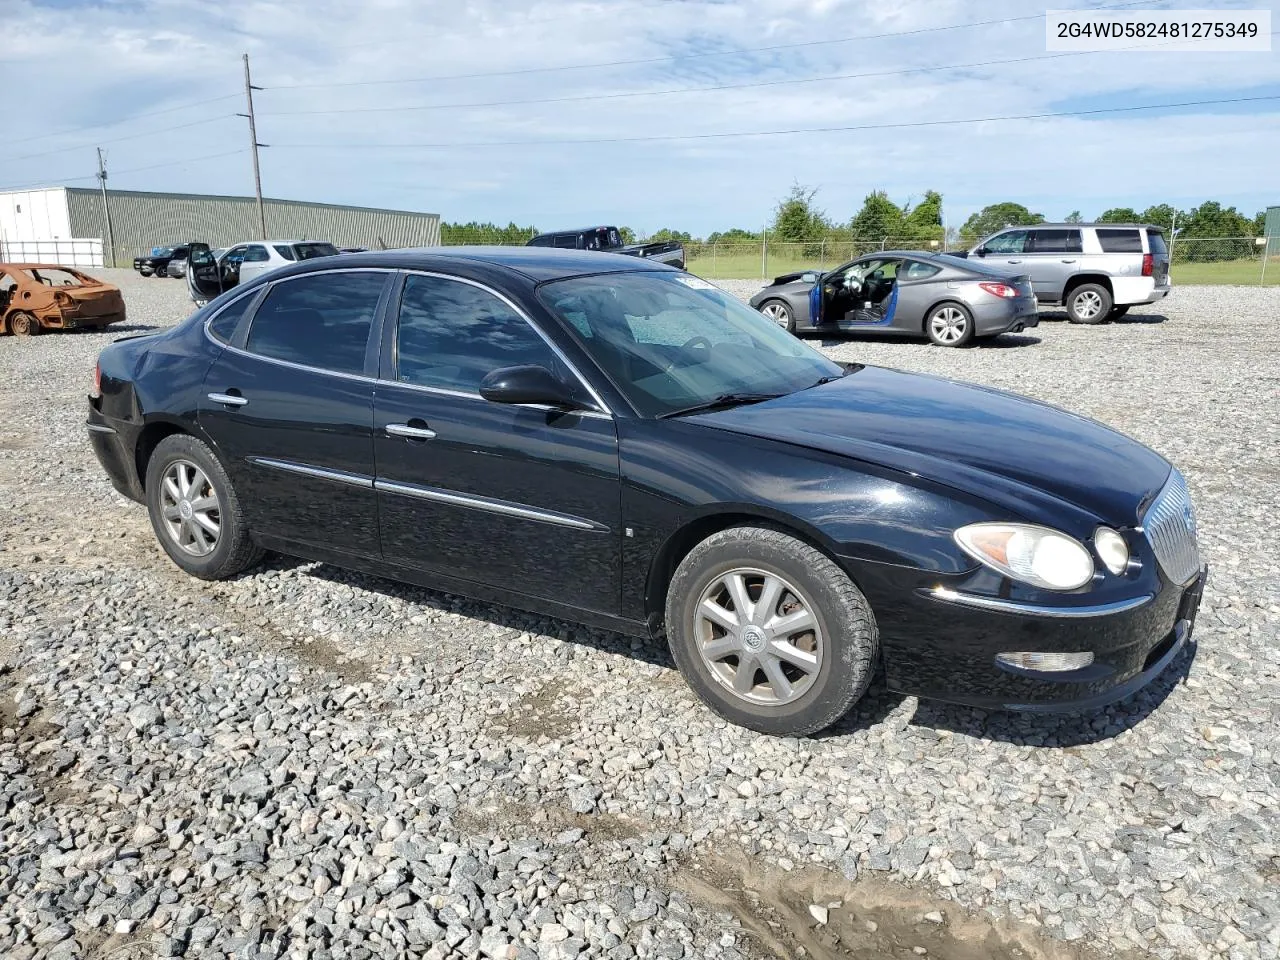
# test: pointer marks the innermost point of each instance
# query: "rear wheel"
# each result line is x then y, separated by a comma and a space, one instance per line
1088, 303
769, 632
22, 324
780, 313
949, 325
195, 512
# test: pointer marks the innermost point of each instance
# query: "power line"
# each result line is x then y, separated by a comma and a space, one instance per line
681, 90
132, 136
689, 56
155, 166
115, 123
773, 133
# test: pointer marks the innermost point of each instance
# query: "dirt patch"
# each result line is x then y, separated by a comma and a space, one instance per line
819, 914
552, 712
514, 819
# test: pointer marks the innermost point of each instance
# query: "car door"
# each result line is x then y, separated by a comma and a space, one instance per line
1052, 255
204, 273
830, 297
255, 262
1007, 249
914, 295
289, 406
524, 498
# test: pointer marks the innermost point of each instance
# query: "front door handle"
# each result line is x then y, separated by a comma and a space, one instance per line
1072, 260
228, 399
411, 432
1015, 261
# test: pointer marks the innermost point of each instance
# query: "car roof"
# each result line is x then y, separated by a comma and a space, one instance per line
1064, 226
40, 266
536, 263
552, 233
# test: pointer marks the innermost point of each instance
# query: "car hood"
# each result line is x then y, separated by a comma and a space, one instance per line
1026, 456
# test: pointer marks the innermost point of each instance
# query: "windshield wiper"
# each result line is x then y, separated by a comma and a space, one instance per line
724, 400
848, 369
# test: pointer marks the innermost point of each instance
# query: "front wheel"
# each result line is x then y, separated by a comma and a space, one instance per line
23, 324
780, 313
1088, 303
769, 632
194, 510
949, 325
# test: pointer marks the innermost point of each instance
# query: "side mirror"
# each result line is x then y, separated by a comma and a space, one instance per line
809, 277
981, 251
526, 384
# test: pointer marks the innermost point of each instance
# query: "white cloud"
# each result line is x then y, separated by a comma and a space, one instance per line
120, 60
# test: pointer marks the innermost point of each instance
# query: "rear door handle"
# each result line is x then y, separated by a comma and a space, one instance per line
228, 399
410, 432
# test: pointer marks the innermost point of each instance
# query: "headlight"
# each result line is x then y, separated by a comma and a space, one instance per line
1035, 555
1112, 549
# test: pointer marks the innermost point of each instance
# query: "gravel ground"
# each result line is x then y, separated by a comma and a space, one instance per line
308, 762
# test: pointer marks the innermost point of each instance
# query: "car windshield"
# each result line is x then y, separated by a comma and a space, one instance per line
309, 251
670, 341
162, 251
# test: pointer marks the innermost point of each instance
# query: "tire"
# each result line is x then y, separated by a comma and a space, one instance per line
1088, 303
949, 325
1117, 312
840, 648
23, 324
780, 312
187, 541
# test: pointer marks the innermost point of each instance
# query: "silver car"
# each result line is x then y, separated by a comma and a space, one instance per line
1096, 270
903, 293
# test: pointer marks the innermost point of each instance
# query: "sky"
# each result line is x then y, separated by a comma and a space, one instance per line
407, 105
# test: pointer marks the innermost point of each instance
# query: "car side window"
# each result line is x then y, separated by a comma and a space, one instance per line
318, 320
1055, 241
451, 335
284, 250
223, 326
256, 254
915, 270
567, 241
235, 255
1012, 241
1119, 240
541, 241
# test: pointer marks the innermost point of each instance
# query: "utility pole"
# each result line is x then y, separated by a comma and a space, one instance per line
106, 209
253, 140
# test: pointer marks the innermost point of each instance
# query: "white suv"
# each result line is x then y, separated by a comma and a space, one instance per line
1096, 270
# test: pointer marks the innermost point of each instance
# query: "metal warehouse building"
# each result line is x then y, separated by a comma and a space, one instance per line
68, 224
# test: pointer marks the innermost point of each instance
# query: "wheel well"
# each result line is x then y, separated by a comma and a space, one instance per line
148, 440
1099, 278
678, 545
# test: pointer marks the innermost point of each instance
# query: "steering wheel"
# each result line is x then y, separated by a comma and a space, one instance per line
698, 342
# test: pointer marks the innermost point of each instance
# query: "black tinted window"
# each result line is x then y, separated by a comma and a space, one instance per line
1119, 241
1055, 241
452, 334
1155, 239
566, 241
541, 241
285, 251
223, 326
256, 254
320, 321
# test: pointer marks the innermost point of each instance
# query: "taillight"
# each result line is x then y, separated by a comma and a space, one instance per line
1000, 290
97, 380
1148, 264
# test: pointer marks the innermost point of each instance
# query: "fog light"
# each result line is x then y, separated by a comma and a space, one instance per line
1045, 662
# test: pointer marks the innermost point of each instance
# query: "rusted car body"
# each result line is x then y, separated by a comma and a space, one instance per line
45, 296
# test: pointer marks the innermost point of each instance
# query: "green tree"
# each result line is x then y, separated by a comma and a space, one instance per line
453, 234
1211, 219
1073, 217
1162, 215
734, 235
668, 234
627, 234
1118, 215
879, 217
997, 216
1260, 223
797, 218
924, 220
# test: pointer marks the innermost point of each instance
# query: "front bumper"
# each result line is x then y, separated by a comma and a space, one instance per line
942, 644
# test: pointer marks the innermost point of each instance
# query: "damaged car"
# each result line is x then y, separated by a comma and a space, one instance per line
41, 296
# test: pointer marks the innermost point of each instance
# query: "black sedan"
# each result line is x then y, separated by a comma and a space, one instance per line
903, 293
621, 444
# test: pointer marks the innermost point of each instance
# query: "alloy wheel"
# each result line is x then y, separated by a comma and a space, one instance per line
190, 508
1088, 305
758, 635
777, 313
949, 325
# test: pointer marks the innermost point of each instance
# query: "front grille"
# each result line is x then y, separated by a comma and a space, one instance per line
1170, 527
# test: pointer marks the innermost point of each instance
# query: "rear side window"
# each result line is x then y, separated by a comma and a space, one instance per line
309, 251
915, 270
284, 250
1155, 240
566, 241
1055, 241
322, 320
451, 335
1119, 241
223, 326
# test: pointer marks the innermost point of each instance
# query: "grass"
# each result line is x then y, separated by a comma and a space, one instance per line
742, 265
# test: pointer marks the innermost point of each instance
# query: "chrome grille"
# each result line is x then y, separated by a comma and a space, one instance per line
1170, 528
